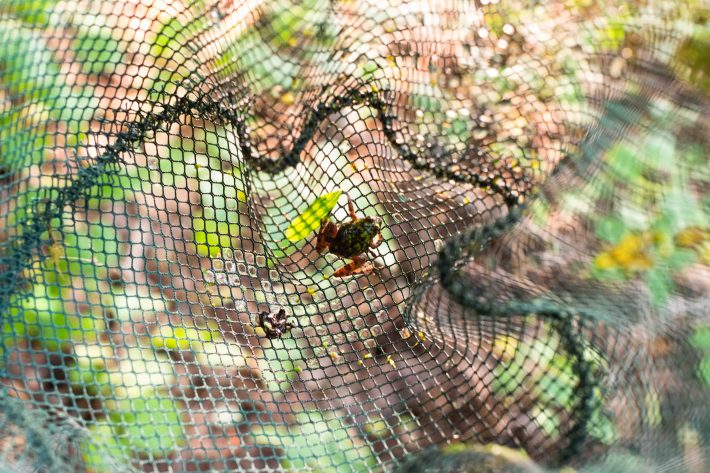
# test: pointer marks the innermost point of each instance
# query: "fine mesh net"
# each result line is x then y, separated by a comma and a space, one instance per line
520, 282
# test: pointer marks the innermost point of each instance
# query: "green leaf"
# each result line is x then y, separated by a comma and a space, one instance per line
181, 338
217, 227
141, 371
660, 285
704, 370
102, 451
279, 363
97, 52
327, 444
701, 339
310, 219
681, 258
29, 68
34, 12
44, 319
265, 69
89, 374
169, 38
294, 21
681, 208
460, 128
610, 229
212, 236
659, 151
624, 164
425, 103
150, 423
692, 57
543, 370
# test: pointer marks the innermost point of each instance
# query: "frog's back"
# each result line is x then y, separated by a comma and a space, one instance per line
354, 238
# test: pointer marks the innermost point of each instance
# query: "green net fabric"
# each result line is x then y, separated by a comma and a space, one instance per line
521, 285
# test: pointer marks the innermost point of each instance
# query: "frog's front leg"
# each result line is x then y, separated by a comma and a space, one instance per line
327, 233
377, 241
351, 208
358, 265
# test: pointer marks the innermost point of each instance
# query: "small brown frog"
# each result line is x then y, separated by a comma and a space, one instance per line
351, 240
274, 325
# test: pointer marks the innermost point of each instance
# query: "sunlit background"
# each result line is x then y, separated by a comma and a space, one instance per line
541, 297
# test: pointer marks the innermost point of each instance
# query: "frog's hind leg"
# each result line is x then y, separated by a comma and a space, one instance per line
358, 265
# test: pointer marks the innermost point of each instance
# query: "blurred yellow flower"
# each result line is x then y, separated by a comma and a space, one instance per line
631, 254
635, 252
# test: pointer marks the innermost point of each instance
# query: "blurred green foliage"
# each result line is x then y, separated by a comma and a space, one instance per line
701, 341
140, 417
280, 363
692, 58
150, 424
32, 80
32, 12
97, 51
469, 458
320, 442
537, 368
649, 232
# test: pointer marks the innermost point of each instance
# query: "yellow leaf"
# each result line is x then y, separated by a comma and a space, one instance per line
311, 218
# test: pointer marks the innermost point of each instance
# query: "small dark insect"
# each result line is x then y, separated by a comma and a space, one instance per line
274, 325
351, 240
